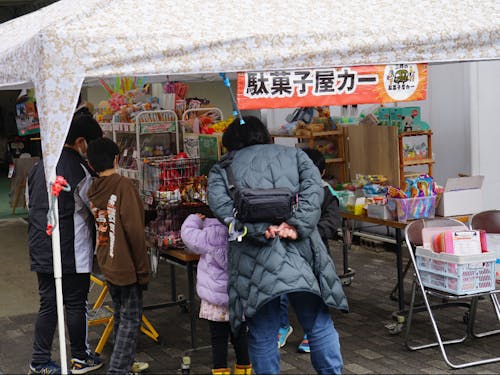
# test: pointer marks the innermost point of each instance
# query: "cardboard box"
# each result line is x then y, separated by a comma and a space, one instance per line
462, 196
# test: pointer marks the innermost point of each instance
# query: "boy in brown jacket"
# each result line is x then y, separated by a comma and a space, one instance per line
121, 248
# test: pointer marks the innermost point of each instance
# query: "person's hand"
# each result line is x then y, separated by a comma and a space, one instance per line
144, 286
284, 230
201, 216
287, 231
271, 231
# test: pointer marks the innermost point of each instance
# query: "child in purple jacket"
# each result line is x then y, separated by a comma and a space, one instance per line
208, 237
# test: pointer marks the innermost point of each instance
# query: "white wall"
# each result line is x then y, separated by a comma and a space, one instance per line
448, 117
485, 128
463, 102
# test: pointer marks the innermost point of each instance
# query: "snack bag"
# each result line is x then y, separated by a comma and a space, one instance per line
394, 192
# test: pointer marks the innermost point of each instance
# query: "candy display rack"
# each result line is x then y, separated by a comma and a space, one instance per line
153, 134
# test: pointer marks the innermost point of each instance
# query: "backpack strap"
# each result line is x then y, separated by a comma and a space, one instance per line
236, 229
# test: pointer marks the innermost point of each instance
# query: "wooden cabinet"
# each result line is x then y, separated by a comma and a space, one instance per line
381, 150
331, 144
373, 150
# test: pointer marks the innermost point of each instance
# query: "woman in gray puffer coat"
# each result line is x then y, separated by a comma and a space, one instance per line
271, 260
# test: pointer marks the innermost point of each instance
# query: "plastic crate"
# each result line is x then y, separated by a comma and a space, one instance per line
456, 274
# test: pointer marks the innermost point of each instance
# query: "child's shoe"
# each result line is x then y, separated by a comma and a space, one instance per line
82, 366
242, 369
283, 334
304, 346
221, 371
138, 367
49, 368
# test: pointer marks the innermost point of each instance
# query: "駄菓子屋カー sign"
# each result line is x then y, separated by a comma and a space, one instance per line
332, 86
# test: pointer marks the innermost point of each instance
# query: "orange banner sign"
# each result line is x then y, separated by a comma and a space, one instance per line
368, 84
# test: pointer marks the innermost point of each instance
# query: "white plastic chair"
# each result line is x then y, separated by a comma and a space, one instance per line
413, 236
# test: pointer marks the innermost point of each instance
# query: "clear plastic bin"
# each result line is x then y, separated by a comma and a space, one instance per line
412, 208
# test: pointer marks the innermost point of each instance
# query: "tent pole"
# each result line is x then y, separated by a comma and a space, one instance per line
56, 254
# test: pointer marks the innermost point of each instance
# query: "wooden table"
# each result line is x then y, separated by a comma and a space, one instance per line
180, 258
349, 217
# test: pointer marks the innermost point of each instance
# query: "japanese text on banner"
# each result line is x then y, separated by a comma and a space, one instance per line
332, 86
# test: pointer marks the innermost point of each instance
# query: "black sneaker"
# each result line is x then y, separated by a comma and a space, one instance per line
48, 368
91, 363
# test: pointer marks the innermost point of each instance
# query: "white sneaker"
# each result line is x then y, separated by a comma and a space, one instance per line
139, 367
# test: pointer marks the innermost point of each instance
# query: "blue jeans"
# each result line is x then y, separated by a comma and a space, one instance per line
284, 323
314, 318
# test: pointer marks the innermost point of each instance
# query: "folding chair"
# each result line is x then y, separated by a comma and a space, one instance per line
489, 221
413, 236
103, 314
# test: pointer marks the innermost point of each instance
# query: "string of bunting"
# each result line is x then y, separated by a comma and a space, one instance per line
60, 184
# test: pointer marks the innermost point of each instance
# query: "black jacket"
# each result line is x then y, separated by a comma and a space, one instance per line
76, 225
330, 220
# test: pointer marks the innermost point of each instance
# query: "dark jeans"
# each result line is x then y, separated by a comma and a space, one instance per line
219, 332
75, 290
127, 304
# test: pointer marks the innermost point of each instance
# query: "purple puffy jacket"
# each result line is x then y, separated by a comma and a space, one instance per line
208, 238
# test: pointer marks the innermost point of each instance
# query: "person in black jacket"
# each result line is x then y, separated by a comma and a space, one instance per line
77, 233
330, 220
328, 225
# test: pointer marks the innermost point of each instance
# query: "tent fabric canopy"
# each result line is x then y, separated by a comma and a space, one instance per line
59, 46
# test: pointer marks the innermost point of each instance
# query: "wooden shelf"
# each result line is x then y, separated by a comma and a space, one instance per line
415, 133
334, 160
335, 166
325, 133
417, 162
403, 163
376, 149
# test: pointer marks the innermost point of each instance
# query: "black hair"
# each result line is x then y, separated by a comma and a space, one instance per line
101, 154
317, 158
252, 132
83, 125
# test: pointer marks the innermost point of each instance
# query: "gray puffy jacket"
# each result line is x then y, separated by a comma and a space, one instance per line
259, 269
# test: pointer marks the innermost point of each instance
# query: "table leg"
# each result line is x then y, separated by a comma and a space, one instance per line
173, 288
348, 274
192, 308
399, 264
346, 243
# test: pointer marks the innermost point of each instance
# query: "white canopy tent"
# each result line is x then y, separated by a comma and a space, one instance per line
56, 48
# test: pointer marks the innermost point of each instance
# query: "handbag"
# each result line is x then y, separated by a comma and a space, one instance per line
258, 205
